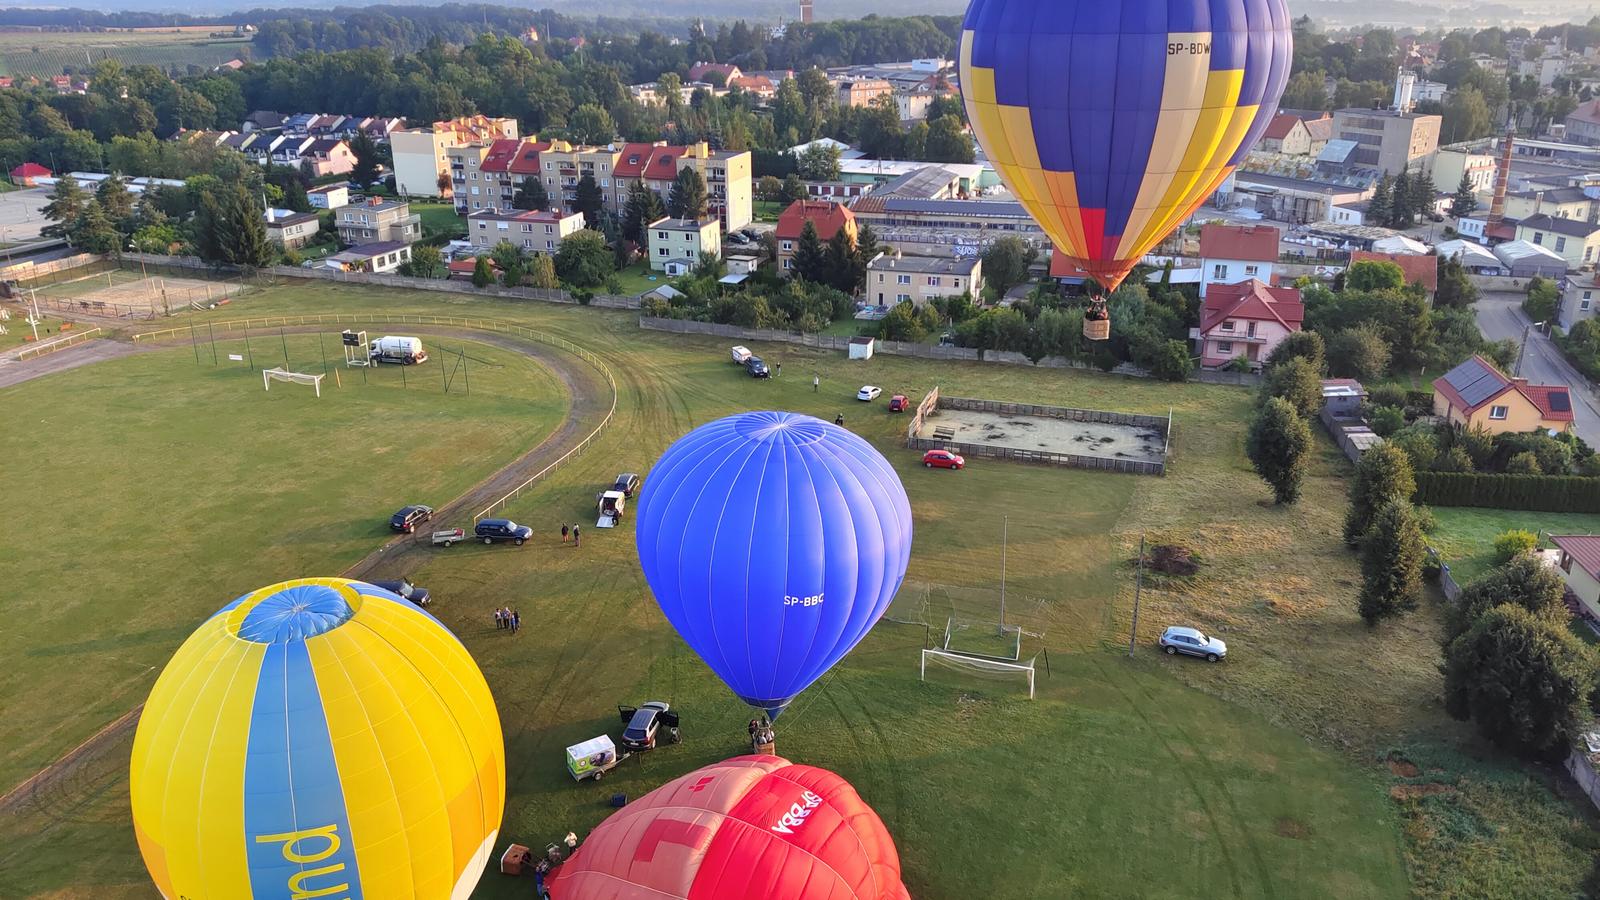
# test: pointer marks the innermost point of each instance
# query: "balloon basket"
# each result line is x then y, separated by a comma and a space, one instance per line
1097, 329
515, 857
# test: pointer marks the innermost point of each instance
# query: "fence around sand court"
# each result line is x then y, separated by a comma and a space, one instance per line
927, 411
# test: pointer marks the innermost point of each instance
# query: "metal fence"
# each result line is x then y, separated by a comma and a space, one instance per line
100, 308
58, 344
496, 325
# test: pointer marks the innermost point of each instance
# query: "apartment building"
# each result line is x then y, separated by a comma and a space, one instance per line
421, 155
616, 168
1388, 139
379, 219
676, 244
534, 230
892, 278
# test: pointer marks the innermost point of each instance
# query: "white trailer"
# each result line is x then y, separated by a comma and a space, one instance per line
403, 350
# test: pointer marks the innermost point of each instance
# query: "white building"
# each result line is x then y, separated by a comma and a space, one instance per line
676, 244
1230, 254
329, 196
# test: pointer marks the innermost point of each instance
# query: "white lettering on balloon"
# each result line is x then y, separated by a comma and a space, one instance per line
797, 813
813, 600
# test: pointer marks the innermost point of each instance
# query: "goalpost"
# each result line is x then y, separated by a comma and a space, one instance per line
268, 376
1005, 663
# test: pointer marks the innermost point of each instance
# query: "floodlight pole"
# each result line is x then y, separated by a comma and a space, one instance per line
1004, 523
1138, 584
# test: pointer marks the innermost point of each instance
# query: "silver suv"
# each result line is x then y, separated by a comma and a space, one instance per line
1178, 639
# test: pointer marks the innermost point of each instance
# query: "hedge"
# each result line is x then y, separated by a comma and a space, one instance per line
1543, 493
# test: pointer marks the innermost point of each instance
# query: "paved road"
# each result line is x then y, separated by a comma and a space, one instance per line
22, 215
1500, 316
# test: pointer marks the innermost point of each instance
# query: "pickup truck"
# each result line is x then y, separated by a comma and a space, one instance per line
741, 355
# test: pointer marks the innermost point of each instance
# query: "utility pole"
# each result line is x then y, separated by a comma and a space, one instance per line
1138, 585
1005, 522
1516, 371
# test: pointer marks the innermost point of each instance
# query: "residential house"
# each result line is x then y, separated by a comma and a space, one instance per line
1579, 565
258, 145
826, 217
893, 278
1583, 123
1574, 202
1575, 241
728, 73
291, 230
28, 174
616, 168
1319, 131
534, 230
676, 244
329, 196
65, 84
1579, 294
328, 156
421, 154
1230, 254
758, 86
1418, 268
1475, 394
481, 176
262, 120
860, 92
287, 149
377, 258
1287, 134
1248, 320
379, 219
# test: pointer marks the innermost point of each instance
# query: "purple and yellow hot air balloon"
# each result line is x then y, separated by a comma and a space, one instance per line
1113, 120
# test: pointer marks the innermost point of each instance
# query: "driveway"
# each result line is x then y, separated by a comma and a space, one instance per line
1500, 316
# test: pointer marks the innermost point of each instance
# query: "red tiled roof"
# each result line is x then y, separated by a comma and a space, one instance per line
1583, 548
1540, 394
825, 216
1416, 266
756, 83
634, 157
500, 155
526, 161
1251, 299
1543, 396
1253, 243
663, 164
698, 71
30, 170
1280, 126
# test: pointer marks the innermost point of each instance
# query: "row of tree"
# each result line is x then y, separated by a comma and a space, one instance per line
218, 221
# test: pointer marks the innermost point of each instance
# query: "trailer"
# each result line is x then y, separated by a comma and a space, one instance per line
448, 536
593, 758
406, 351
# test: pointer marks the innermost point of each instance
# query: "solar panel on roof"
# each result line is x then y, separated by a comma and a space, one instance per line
1474, 381
1560, 402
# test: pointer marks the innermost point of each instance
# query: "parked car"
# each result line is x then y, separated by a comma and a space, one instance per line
406, 590
755, 368
492, 530
868, 392
943, 459
627, 483
643, 722
1179, 639
408, 518
899, 403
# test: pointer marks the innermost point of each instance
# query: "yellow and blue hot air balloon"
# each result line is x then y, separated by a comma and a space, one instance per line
1113, 120
318, 738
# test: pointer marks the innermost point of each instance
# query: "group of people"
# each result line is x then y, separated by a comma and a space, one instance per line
508, 618
573, 531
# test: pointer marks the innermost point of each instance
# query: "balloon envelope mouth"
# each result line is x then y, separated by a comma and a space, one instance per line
287, 614
789, 428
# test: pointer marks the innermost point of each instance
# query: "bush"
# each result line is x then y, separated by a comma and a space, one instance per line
1387, 420
1238, 364
1359, 352
1419, 442
1524, 463
1388, 395
1426, 520
1453, 460
1171, 362
1524, 582
1541, 493
1514, 543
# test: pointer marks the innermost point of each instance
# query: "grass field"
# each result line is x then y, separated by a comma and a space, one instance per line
440, 218
46, 54
637, 278
1267, 776
1465, 535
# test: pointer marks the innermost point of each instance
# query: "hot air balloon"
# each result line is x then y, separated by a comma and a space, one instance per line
752, 826
1113, 120
319, 737
773, 541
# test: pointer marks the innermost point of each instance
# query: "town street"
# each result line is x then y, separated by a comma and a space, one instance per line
1500, 316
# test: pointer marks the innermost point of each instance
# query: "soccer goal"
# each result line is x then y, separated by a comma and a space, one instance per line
1012, 671
983, 650
268, 376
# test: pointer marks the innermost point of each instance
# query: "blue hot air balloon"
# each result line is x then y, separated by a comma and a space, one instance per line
773, 541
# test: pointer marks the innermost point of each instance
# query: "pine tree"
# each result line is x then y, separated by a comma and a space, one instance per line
1391, 563
482, 273
866, 245
810, 259
642, 207
1401, 214
241, 232
589, 201
66, 205
365, 170
1277, 445
116, 202
1383, 475
1379, 208
94, 232
1466, 199
687, 199
839, 263
531, 194
793, 188
1422, 195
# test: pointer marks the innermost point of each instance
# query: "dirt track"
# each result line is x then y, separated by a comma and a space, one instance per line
591, 398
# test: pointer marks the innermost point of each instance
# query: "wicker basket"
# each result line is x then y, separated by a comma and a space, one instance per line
1097, 329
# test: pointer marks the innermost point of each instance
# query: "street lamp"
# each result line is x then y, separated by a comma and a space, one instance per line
1516, 370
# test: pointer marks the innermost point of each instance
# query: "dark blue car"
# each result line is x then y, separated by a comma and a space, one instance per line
492, 530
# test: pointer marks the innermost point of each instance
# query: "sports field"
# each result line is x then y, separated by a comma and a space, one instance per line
120, 292
1268, 775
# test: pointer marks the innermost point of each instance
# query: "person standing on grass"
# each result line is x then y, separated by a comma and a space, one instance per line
816, 383
574, 535
779, 372
499, 620
563, 532
516, 621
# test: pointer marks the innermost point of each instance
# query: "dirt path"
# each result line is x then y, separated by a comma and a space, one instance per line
591, 398
14, 372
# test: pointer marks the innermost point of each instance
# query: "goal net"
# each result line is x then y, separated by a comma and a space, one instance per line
268, 376
1009, 671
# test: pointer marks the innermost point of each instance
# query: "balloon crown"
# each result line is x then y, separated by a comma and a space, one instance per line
291, 612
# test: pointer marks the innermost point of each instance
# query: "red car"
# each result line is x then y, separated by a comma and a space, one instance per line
943, 459
898, 403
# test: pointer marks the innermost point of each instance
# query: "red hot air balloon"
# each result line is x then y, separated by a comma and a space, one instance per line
752, 826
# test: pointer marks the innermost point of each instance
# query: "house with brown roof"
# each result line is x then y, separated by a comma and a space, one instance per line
1579, 565
1246, 320
700, 70
759, 86
1418, 268
825, 216
328, 156
1286, 133
1230, 254
1583, 123
1475, 394
1320, 131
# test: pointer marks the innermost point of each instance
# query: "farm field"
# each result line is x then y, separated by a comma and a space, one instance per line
1297, 768
46, 54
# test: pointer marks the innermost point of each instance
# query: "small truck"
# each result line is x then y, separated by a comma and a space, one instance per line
406, 351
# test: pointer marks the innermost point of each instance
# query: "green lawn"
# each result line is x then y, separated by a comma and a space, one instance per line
1465, 535
18, 331
1265, 776
440, 218
767, 210
639, 277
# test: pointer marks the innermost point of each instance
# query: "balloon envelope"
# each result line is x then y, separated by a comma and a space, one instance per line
320, 737
1113, 120
752, 826
773, 541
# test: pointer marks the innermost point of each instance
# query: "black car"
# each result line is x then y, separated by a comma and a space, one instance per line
627, 483
491, 530
643, 722
406, 520
406, 590
755, 368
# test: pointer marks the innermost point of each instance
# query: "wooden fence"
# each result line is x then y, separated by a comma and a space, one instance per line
60, 343
1048, 457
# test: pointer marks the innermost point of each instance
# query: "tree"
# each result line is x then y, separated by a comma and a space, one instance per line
1422, 196
1296, 382
365, 170
1542, 301
443, 184
810, 259
542, 273
948, 142
1360, 353
1465, 201
866, 245
589, 200
1305, 345
1170, 361
1455, 288
643, 206
230, 230
1523, 581
1383, 475
115, 201
819, 162
1391, 563
687, 198
482, 272
531, 194
425, 260
584, 260
842, 267
1277, 445
881, 136
793, 189
1466, 116
511, 260
94, 232
1006, 262
901, 323
67, 201
1401, 212
591, 124
1386, 420
1379, 207
1305, 90
1374, 275
1523, 680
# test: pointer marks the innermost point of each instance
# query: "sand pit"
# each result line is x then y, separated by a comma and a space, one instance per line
1037, 433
